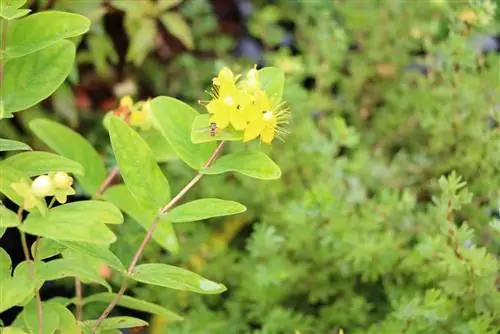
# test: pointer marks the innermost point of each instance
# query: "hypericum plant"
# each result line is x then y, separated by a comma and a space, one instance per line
72, 239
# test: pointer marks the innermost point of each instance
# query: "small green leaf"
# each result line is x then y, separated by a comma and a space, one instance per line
177, 26
67, 322
135, 304
164, 233
50, 318
141, 174
44, 248
60, 300
159, 145
254, 164
175, 119
142, 31
96, 251
200, 132
78, 221
175, 278
5, 265
272, 80
41, 30
30, 79
36, 163
11, 13
13, 330
7, 217
72, 145
117, 322
14, 291
204, 209
12, 145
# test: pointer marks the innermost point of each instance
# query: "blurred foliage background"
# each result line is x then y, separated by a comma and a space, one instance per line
387, 96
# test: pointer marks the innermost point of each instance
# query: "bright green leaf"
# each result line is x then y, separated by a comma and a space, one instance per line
254, 164
41, 30
175, 119
175, 278
14, 291
12, 145
204, 209
272, 80
177, 26
13, 330
135, 304
164, 233
5, 265
67, 322
11, 13
72, 145
44, 248
30, 79
117, 322
50, 318
200, 132
159, 145
13, 3
36, 163
7, 217
141, 174
96, 251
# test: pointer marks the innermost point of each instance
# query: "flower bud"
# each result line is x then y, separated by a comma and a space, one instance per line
42, 186
62, 180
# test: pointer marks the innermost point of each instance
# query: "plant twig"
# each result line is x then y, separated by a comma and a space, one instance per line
107, 182
32, 271
149, 234
78, 299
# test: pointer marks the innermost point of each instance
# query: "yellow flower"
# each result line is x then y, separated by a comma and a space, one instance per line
265, 120
23, 188
142, 118
62, 182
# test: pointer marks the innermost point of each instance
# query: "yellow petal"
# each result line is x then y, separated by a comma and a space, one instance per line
221, 118
238, 120
252, 130
267, 135
61, 198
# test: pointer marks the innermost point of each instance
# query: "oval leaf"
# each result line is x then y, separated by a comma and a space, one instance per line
12, 145
254, 164
67, 322
7, 217
204, 209
72, 145
117, 322
98, 252
164, 233
5, 265
200, 132
175, 119
14, 291
134, 304
175, 278
272, 80
41, 30
37, 163
79, 221
141, 174
177, 26
43, 248
30, 79
50, 318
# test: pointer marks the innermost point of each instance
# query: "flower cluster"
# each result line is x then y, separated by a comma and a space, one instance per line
245, 106
57, 184
136, 114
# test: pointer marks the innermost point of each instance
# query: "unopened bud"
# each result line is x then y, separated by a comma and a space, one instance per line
62, 180
42, 186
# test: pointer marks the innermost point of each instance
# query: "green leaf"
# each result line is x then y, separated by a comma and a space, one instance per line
135, 304
200, 132
78, 221
98, 252
175, 119
141, 174
60, 300
9, 175
204, 209
41, 30
5, 265
175, 278
67, 322
30, 79
159, 145
254, 164
36, 163
12, 145
164, 233
72, 145
7, 217
14, 291
13, 330
44, 248
177, 26
64, 104
60, 268
142, 33
11, 13
12, 3
117, 322
272, 80
50, 318
2, 231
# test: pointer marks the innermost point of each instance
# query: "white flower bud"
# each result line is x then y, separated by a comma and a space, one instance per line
42, 186
62, 180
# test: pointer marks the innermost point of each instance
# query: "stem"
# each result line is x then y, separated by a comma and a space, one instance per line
149, 234
3, 44
26, 252
79, 299
107, 182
